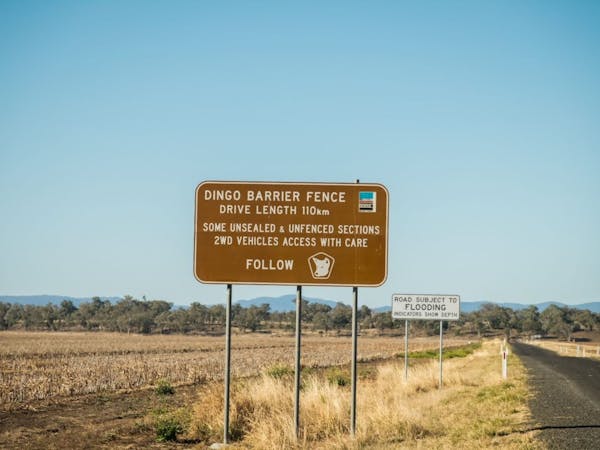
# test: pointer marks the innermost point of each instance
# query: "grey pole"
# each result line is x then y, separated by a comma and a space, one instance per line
406, 350
227, 363
441, 350
298, 367
354, 357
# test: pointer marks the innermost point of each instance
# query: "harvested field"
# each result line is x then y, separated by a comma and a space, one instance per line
37, 366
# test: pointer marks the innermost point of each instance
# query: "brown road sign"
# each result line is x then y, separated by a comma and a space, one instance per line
291, 233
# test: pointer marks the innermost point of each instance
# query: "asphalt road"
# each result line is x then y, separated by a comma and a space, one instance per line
566, 402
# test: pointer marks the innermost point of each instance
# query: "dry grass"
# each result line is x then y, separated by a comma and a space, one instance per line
38, 366
475, 409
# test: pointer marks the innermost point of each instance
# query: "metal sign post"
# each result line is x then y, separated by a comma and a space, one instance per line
298, 366
354, 357
406, 350
441, 351
227, 363
425, 307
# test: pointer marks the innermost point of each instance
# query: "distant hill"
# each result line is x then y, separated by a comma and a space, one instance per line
283, 303
467, 307
287, 303
593, 307
42, 300
474, 306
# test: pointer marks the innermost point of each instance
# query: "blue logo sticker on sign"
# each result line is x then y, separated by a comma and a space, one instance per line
367, 201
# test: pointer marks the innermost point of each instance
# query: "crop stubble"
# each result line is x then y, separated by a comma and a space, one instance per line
37, 366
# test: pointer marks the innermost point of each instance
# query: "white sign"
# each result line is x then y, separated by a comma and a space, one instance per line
425, 307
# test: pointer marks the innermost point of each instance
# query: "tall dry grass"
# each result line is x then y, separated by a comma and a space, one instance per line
475, 409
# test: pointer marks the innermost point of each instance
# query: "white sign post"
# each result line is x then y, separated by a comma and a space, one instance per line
425, 307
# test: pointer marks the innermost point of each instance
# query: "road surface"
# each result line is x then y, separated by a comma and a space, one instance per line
566, 402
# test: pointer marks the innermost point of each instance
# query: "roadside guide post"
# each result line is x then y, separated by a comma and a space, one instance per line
426, 307
318, 234
504, 355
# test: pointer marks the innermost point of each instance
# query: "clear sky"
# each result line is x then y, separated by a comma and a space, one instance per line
481, 118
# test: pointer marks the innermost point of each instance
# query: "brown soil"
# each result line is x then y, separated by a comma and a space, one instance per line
112, 420
587, 337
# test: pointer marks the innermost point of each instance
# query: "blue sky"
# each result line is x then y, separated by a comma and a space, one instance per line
481, 118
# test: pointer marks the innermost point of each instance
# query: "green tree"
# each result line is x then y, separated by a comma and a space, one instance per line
251, 318
157, 307
382, 321
14, 315
95, 315
4, 308
66, 313
322, 321
530, 320
198, 316
217, 315
364, 313
32, 317
584, 319
341, 316
555, 321
497, 317
49, 316
309, 310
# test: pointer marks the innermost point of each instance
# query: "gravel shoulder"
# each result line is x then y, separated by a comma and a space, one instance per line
566, 402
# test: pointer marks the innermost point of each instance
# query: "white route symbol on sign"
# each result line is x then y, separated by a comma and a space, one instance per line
321, 265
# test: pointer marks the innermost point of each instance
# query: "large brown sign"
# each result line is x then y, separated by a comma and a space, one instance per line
291, 233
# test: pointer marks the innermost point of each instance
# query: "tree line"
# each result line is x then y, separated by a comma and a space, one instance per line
130, 315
